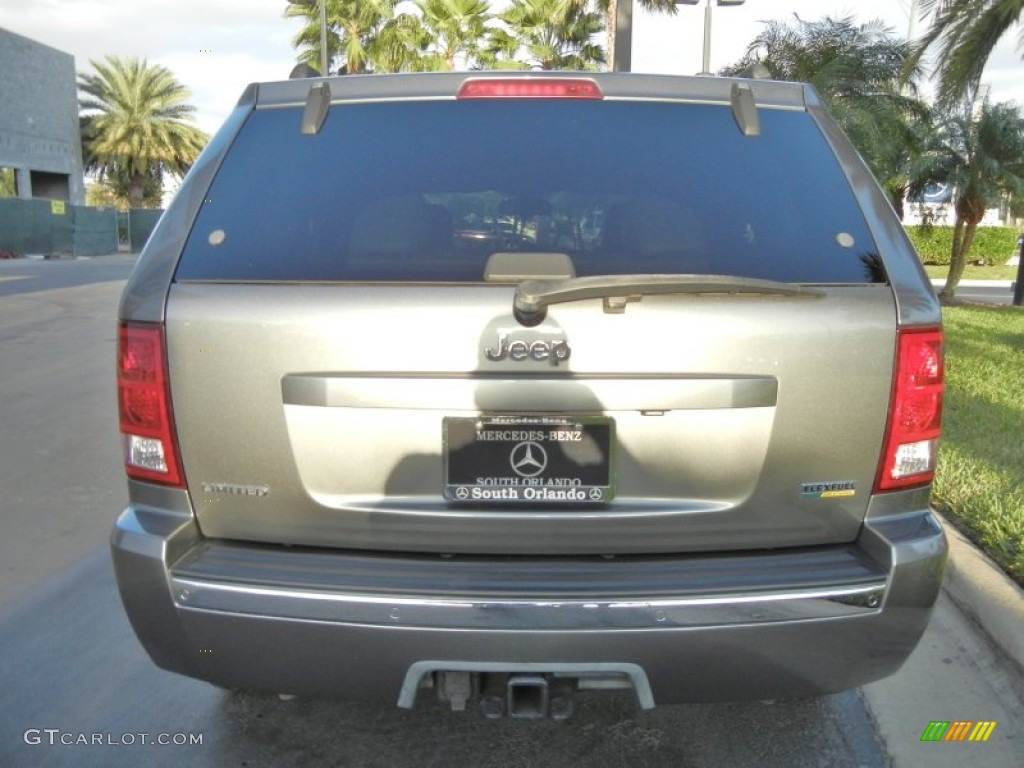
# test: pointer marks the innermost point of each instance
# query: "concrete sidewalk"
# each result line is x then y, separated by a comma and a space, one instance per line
939, 282
969, 666
985, 594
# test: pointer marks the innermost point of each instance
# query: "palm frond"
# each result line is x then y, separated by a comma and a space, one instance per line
135, 121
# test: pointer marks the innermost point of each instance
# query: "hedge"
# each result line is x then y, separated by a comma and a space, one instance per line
992, 244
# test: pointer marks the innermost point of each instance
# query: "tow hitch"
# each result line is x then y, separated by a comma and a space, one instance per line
520, 691
520, 696
527, 697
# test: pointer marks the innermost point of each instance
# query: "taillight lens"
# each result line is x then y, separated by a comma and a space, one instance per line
144, 405
520, 88
915, 412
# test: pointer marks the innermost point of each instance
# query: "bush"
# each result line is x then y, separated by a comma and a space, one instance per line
993, 244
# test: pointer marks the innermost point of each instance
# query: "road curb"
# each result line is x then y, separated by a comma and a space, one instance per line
939, 282
985, 594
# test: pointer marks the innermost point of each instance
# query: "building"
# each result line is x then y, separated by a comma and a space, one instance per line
40, 141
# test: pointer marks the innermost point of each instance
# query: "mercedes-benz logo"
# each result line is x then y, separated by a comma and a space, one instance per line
462, 492
529, 459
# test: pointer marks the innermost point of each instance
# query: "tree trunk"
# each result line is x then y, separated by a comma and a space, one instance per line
896, 192
968, 214
610, 27
135, 193
896, 198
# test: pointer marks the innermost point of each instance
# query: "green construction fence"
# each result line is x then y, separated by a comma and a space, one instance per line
55, 227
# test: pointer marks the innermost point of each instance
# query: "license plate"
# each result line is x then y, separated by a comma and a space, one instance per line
528, 460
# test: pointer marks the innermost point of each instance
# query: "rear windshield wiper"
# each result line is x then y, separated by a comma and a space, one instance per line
533, 297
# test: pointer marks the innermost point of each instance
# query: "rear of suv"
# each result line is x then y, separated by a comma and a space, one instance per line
509, 385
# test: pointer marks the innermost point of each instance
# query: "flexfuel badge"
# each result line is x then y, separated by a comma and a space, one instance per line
837, 489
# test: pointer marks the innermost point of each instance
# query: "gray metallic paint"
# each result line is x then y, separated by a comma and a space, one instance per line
289, 378
703, 475
753, 659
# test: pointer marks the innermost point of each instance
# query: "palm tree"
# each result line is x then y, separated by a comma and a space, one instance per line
857, 71
456, 29
115, 188
352, 29
136, 129
967, 31
894, 155
980, 151
550, 40
400, 45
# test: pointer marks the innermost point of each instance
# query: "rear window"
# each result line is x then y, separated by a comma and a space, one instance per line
427, 191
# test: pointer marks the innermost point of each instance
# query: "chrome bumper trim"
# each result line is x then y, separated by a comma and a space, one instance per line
499, 614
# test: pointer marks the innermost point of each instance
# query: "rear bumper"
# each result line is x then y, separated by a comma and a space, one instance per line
689, 628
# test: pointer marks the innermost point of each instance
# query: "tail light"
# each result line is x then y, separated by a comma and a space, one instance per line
144, 405
529, 88
915, 412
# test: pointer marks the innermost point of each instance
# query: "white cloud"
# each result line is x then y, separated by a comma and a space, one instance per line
214, 47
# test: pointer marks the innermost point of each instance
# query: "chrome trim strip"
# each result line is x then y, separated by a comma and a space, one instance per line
541, 614
459, 392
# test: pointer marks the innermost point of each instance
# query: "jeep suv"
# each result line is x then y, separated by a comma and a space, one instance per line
514, 385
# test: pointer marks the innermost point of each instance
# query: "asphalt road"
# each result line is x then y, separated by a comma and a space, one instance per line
32, 275
73, 671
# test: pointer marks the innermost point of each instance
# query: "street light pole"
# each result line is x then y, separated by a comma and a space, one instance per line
1018, 286
706, 69
323, 30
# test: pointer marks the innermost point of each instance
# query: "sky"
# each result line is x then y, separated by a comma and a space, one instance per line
216, 47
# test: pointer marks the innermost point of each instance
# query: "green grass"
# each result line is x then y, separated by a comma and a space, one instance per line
979, 483
973, 272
